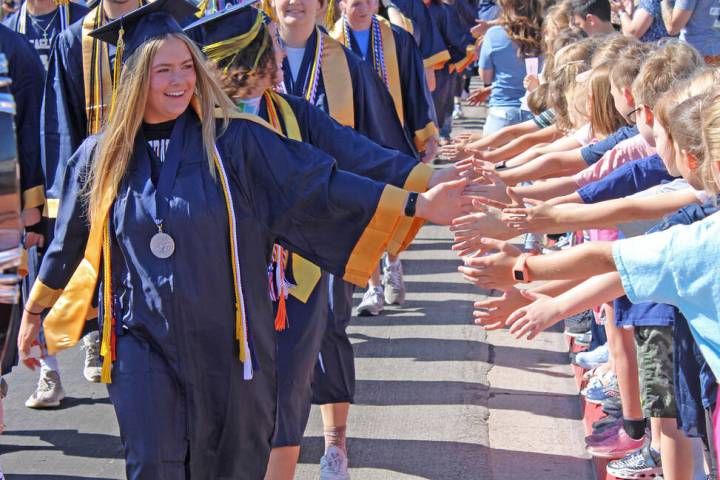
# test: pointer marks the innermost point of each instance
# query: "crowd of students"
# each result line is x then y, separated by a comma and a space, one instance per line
207, 183
628, 166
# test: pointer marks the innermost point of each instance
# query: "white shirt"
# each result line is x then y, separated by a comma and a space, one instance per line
294, 58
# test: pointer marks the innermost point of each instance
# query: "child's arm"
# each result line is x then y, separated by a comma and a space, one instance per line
545, 218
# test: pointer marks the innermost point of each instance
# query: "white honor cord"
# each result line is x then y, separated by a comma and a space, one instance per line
247, 364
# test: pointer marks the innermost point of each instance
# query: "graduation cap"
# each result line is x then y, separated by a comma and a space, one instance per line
225, 34
145, 23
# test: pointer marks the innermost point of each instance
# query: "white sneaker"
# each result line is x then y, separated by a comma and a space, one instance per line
394, 284
93, 366
49, 391
458, 113
334, 465
372, 303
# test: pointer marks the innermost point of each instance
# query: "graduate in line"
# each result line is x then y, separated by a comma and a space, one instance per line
242, 44
394, 56
183, 209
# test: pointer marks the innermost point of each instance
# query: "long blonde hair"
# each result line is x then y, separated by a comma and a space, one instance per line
117, 140
711, 142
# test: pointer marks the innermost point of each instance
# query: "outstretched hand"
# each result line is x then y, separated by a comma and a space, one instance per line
532, 319
538, 216
492, 313
444, 202
491, 271
479, 95
469, 230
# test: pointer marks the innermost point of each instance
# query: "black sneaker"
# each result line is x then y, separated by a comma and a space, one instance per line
577, 325
644, 463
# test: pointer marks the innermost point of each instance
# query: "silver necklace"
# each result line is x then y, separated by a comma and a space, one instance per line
44, 42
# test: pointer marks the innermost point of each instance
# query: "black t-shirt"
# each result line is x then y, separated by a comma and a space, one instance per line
157, 136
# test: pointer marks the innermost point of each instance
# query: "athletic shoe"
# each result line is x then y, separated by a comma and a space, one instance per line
644, 463
593, 358
616, 446
612, 406
334, 465
457, 113
578, 325
584, 340
49, 391
372, 303
596, 439
599, 395
606, 421
93, 367
394, 284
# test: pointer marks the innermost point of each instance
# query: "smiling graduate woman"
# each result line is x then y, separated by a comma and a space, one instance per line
177, 212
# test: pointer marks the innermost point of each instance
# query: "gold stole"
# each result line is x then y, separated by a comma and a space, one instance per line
96, 71
391, 61
306, 273
337, 82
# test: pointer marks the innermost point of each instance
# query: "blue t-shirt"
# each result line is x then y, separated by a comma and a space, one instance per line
678, 266
703, 29
657, 29
488, 10
630, 178
594, 152
363, 40
501, 55
40, 30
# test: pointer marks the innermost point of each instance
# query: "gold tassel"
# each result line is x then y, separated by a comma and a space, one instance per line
330, 15
239, 332
117, 67
219, 51
202, 7
106, 345
268, 9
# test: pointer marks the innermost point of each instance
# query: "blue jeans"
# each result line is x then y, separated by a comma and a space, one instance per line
501, 117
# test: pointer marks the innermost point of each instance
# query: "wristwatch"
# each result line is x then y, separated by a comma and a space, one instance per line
411, 204
501, 165
520, 270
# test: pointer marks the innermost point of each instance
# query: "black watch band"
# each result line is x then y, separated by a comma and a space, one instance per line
501, 165
411, 203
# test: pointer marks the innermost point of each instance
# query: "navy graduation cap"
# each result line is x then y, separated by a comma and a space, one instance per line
226, 33
147, 22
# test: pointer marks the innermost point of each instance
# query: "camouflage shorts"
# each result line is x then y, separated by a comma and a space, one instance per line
655, 366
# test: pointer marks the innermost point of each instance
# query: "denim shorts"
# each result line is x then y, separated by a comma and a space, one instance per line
501, 117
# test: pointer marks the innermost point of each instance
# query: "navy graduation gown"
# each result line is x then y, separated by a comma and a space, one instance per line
178, 389
27, 73
425, 31
299, 344
418, 109
373, 109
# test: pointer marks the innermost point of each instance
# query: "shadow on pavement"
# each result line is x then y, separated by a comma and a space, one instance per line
69, 442
43, 476
435, 460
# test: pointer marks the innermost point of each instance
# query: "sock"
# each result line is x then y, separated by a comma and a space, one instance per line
50, 363
635, 428
335, 437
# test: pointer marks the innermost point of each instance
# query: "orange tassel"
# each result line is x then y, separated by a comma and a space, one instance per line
281, 319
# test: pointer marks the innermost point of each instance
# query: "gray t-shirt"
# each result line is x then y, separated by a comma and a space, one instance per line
703, 29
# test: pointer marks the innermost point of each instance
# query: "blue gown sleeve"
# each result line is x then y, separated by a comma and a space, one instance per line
630, 178
63, 122
66, 250
27, 73
338, 220
356, 153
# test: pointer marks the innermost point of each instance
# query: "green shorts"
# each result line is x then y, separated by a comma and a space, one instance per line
655, 366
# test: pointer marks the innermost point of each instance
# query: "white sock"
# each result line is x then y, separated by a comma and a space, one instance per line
50, 363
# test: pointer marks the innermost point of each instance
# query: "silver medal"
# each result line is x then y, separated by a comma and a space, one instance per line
162, 245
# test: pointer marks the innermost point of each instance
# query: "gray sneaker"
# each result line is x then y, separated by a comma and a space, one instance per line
49, 391
334, 465
93, 366
641, 464
372, 303
394, 284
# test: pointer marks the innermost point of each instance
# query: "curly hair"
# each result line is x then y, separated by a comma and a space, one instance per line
522, 20
237, 76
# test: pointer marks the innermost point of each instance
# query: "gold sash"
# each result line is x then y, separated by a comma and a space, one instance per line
96, 71
337, 82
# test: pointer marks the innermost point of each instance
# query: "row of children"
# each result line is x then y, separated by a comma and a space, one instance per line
623, 144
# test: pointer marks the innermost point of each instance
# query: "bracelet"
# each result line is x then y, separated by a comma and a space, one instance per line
31, 313
411, 203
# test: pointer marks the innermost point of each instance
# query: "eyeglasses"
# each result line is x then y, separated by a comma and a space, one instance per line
633, 113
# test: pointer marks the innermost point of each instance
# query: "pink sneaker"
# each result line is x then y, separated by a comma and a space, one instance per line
597, 438
616, 446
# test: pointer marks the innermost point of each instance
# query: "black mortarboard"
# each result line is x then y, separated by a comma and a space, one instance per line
226, 33
147, 22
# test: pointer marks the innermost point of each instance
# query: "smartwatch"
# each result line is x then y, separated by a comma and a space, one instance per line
520, 270
501, 165
411, 203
